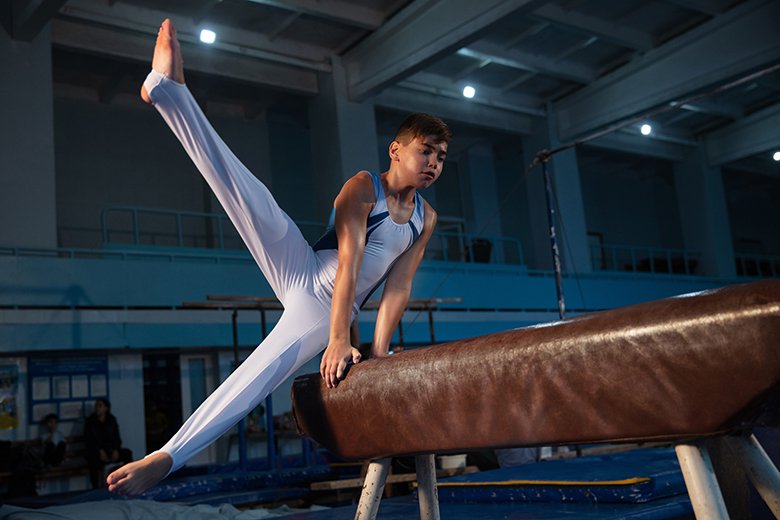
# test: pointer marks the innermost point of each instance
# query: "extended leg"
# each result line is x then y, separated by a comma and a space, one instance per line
373, 486
426, 487
300, 334
700, 480
277, 357
760, 469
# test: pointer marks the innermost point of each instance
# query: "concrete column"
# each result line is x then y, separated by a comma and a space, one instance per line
263, 143
704, 214
482, 201
343, 135
28, 216
570, 226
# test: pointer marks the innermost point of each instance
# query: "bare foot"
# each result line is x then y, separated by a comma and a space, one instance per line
167, 56
138, 476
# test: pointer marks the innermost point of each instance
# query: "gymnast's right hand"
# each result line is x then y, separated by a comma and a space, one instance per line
335, 360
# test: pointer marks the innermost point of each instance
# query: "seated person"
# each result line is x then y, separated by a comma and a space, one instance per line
53, 441
102, 442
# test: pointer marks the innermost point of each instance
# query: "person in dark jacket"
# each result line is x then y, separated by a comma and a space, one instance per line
102, 442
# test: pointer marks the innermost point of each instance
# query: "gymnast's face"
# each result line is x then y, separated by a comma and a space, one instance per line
420, 160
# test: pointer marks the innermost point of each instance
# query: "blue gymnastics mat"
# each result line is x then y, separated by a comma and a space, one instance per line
635, 476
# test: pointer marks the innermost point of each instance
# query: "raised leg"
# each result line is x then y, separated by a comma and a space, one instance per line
760, 469
373, 486
701, 482
277, 245
426, 487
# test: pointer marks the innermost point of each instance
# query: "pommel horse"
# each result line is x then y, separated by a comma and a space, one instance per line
680, 369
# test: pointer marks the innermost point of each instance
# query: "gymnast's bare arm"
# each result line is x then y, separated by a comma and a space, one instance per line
353, 205
398, 287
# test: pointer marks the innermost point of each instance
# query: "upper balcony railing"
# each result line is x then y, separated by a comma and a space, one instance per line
643, 259
190, 229
198, 230
761, 266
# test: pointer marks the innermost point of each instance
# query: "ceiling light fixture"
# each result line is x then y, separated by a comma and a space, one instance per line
646, 129
208, 36
469, 91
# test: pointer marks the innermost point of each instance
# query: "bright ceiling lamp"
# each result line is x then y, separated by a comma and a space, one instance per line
776, 156
469, 91
645, 129
208, 36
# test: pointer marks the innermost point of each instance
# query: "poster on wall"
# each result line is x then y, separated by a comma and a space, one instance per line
66, 385
9, 390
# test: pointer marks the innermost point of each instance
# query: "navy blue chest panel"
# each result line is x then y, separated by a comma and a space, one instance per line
330, 241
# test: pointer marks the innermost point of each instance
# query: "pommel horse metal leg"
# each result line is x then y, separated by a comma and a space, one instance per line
374, 484
426, 487
760, 469
701, 482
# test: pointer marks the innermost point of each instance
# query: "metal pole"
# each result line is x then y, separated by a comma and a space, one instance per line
760, 469
269, 428
373, 485
701, 482
430, 325
242, 458
269, 405
401, 330
426, 487
553, 238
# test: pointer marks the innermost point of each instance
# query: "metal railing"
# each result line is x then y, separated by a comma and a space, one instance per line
762, 266
644, 259
168, 228
467, 247
199, 230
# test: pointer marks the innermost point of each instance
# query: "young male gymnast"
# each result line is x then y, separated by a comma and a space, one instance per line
382, 226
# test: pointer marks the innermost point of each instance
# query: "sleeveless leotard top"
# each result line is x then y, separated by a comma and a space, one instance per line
386, 241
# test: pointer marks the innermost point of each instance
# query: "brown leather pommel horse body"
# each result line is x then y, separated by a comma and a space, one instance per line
677, 369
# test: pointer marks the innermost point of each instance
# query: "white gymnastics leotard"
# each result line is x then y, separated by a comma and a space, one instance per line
302, 277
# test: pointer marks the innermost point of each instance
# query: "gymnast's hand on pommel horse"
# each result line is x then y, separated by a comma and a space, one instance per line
382, 226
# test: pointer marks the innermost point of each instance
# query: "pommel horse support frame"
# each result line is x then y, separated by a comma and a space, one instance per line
680, 370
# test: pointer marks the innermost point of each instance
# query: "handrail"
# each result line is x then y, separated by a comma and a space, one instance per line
618, 257
211, 222
757, 265
447, 246
471, 247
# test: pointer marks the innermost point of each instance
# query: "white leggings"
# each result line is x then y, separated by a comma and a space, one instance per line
285, 258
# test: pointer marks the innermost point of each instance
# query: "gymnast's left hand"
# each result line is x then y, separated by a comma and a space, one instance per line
335, 360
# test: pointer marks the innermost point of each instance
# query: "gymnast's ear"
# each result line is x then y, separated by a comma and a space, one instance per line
393, 150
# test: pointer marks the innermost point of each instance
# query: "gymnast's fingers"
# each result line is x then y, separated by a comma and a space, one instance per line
332, 376
340, 368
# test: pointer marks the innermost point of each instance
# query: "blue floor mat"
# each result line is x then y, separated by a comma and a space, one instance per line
636, 476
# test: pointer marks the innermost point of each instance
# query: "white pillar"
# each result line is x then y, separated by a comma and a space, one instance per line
343, 135
27, 183
482, 204
704, 214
